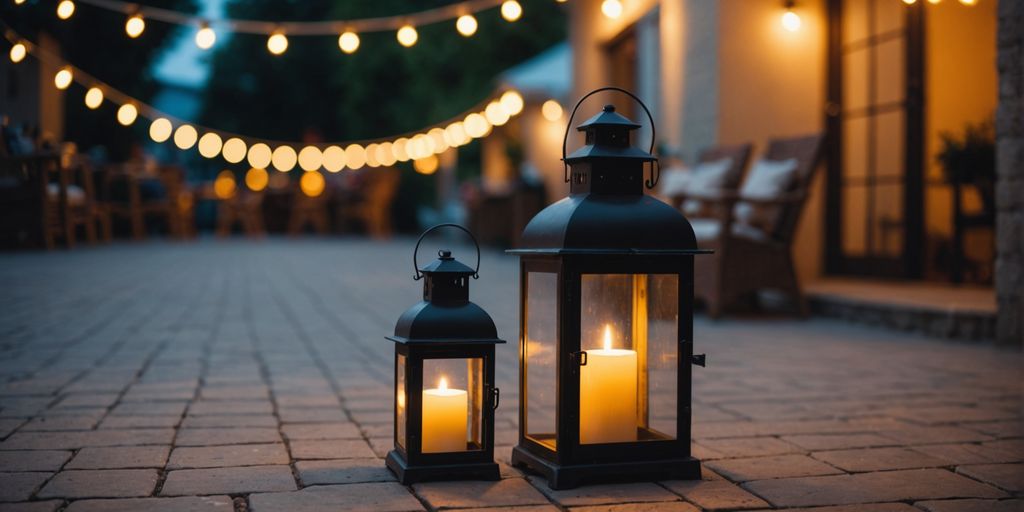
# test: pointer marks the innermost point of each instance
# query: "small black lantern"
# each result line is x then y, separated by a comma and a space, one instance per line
606, 310
444, 378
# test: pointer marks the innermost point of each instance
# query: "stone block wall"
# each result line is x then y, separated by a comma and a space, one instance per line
1010, 169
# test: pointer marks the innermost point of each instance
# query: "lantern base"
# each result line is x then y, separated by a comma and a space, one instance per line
412, 474
568, 477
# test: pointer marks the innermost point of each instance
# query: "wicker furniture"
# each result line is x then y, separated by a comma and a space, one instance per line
748, 258
739, 156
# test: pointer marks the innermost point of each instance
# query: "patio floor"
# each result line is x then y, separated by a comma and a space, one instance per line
212, 375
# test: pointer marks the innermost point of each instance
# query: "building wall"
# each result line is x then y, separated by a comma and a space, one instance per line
771, 83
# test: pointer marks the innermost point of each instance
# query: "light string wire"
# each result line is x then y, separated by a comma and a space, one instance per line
300, 28
148, 111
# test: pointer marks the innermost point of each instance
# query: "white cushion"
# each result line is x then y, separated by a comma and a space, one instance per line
708, 229
674, 181
76, 195
767, 179
707, 179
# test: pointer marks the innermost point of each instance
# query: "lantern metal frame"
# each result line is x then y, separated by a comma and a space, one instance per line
443, 326
570, 239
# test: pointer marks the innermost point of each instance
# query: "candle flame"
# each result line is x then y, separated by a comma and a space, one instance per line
443, 384
607, 337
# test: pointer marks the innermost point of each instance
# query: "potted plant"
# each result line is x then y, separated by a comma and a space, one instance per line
969, 158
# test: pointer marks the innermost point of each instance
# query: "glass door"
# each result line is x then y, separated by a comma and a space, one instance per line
875, 124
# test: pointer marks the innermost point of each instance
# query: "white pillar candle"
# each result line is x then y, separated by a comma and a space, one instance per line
444, 419
608, 394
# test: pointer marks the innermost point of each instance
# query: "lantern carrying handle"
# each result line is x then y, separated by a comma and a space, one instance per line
565, 139
416, 266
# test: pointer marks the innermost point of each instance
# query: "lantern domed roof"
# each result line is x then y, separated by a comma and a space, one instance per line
613, 224
431, 322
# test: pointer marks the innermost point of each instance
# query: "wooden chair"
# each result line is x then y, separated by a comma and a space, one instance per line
82, 209
246, 209
175, 207
309, 211
740, 155
28, 215
748, 259
373, 207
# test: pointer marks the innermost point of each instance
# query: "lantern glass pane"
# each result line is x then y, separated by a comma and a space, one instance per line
400, 400
452, 405
629, 330
539, 357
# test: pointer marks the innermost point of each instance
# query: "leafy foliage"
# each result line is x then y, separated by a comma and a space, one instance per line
969, 157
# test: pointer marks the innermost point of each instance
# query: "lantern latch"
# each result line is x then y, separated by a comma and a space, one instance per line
497, 398
580, 357
698, 359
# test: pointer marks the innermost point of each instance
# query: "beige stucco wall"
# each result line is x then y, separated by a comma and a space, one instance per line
771, 83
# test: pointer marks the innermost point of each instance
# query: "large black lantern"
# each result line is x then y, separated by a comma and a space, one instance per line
444, 378
606, 310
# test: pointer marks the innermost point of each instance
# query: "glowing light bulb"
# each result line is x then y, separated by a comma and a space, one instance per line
210, 145
440, 144
234, 150
334, 159
63, 78
205, 37
496, 114
611, 8
511, 10
934, 2
277, 43
185, 136
355, 156
407, 36
400, 149
371, 155
791, 21
224, 185
551, 110
427, 165
94, 98
310, 158
160, 130
348, 42
607, 337
256, 179
134, 26
910, 2
385, 155
19, 2
65, 9
456, 134
969, 2
312, 184
18, 52
127, 114
259, 155
476, 125
284, 158
513, 102
466, 25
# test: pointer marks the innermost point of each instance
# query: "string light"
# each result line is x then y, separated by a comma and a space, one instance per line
385, 154
348, 42
910, 2
134, 26
256, 179
496, 114
210, 145
312, 184
205, 37
934, 2
407, 36
513, 102
371, 155
63, 78
551, 110
277, 43
310, 158
334, 159
94, 98
398, 149
160, 130
234, 150
426, 165
284, 158
65, 9
791, 20
19, 2
127, 114
259, 155
18, 52
476, 125
612, 9
355, 156
969, 2
466, 25
224, 185
185, 136
511, 10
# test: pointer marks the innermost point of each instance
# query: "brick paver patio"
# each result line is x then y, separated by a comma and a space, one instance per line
212, 375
